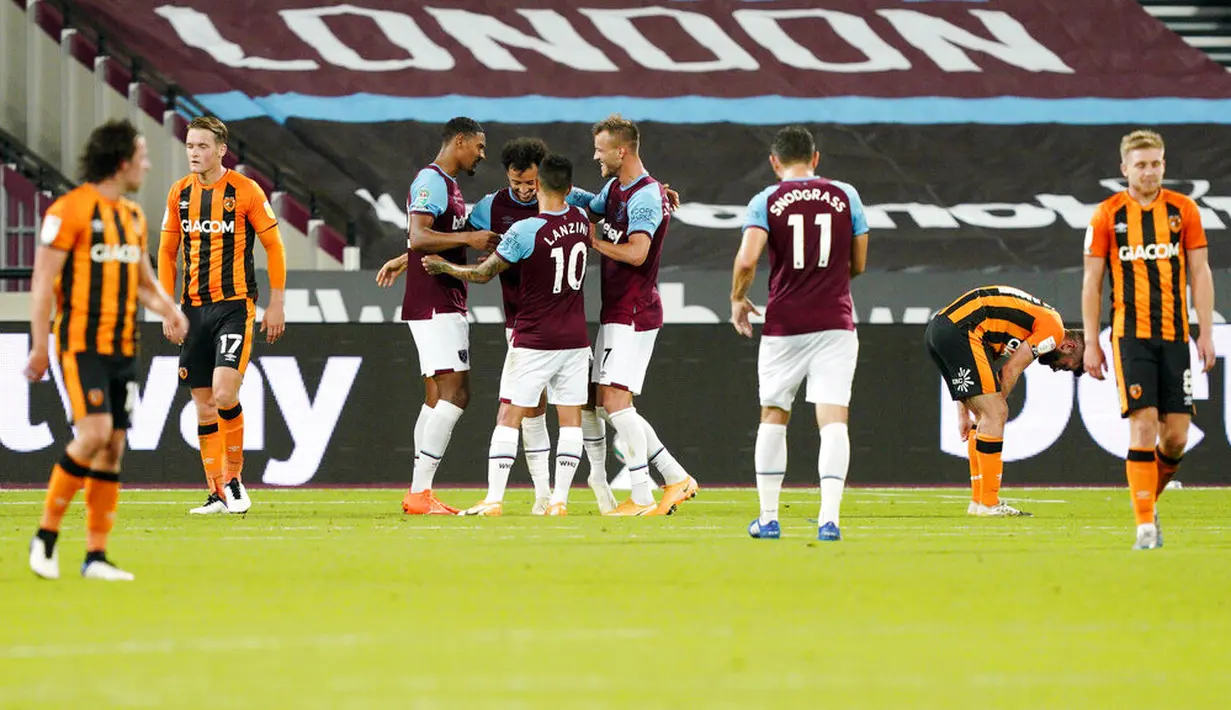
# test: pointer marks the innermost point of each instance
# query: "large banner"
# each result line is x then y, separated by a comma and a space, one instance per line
980, 133
335, 404
684, 62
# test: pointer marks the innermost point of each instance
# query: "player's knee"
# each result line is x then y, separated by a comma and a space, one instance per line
993, 411
93, 436
108, 458
1173, 441
225, 397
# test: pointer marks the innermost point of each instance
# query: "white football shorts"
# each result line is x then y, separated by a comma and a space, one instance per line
622, 356
443, 342
561, 372
826, 359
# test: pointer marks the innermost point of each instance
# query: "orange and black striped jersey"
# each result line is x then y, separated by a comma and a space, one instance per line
96, 292
1146, 249
219, 225
1003, 317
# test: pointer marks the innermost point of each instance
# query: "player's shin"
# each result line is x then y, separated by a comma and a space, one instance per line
231, 424
1167, 466
568, 457
537, 444
436, 435
102, 496
594, 435
628, 426
769, 460
500, 456
67, 477
212, 443
991, 466
425, 413
660, 458
976, 479
832, 464
1142, 470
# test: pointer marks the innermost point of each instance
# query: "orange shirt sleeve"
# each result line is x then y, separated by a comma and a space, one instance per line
64, 225
260, 214
1048, 333
169, 241
1098, 234
1192, 233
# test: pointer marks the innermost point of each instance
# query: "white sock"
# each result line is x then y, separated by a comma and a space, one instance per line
569, 447
834, 460
632, 438
537, 444
663, 461
500, 456
425, 413
594, 433
436, 434
770, 462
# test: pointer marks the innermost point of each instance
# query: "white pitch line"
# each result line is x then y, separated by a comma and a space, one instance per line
137, 647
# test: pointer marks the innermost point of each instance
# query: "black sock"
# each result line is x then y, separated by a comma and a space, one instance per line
49, 538
95, 556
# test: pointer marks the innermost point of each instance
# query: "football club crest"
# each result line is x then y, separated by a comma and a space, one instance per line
463, 355
1134, 391
1175, 223
228, 204
183, 373
95, 396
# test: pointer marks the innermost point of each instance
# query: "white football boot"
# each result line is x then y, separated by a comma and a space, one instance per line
540, 505
236, 497
212, 506
44, 565
1147, 537
105, 571
1003, 510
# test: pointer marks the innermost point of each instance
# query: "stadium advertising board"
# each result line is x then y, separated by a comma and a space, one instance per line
335, 404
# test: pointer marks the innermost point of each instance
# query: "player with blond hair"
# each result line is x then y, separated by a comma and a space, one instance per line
1150, 242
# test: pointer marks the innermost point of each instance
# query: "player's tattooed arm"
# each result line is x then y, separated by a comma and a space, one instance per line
479, 273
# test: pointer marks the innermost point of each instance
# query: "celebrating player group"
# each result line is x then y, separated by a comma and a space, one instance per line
537, 236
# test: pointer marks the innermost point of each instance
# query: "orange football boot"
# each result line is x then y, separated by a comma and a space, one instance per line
675, 494
630, 508
425, 503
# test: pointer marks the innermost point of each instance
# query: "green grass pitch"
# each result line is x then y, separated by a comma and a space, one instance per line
334, 599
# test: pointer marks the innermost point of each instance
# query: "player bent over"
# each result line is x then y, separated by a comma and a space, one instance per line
817, 238
964, 339
551, 345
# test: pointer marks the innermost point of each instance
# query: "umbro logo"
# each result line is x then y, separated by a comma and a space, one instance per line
1121, 228
962, 383
97, 225
183, 204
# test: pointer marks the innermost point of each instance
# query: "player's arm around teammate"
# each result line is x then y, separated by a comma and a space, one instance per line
422, 238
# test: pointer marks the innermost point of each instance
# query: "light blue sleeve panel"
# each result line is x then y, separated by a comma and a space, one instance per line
858, 219
481, 216
758, 209
428, 194
578, 197
518, 242
645, 210
599, 204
